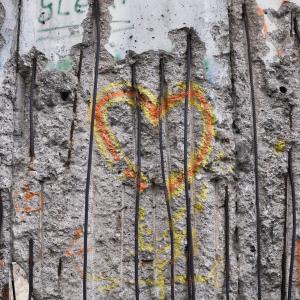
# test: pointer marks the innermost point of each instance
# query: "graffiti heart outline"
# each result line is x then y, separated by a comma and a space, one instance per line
109, 146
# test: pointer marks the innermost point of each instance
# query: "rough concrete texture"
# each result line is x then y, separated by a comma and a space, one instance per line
43, 198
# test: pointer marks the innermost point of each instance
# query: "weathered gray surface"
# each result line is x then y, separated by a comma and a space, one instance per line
52, 185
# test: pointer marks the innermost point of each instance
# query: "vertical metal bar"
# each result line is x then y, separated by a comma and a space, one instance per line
12, 281
296, 28
31, 96
1, 218
294, 218
227, 241
138, 179
96, 12
18, 35
190, 263
284, 259
162, 100
59, 268
255, 149
30, 269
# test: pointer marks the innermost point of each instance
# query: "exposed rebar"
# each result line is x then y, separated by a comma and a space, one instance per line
284, 258
12, 281
162, 103
1, 218
31, 100
138, 178
294, 228
20, 3
190, 248
255, 150
59, 268
96, 12
227, 241
30, 269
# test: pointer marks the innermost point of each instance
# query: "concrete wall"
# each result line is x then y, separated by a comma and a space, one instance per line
43, 198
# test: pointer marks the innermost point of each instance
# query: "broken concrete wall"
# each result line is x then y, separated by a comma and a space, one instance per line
43, 196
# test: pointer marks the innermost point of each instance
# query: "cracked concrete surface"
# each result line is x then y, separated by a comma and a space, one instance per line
43, 198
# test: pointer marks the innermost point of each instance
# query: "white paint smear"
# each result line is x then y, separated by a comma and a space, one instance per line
140, 26
271, 56
274, 4
144, 25
53, 27
8, 33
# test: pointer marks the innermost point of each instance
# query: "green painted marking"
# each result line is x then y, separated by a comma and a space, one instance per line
64, 65
59, 9
78, 7
206, 64
57, 28
118, 56
49, 7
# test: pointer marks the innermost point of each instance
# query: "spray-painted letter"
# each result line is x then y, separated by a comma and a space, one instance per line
46, 15
59, 9
78, 7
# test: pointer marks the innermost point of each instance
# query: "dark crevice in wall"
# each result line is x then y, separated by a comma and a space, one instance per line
232, 68
236, 132
30, 268
31, 105
41, 234
284, 252
1, 220
5, 292
59, 268
227, 242
75, 103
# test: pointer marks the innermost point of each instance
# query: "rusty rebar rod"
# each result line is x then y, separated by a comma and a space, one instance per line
96, 12
190, 250
255, 150
162, 99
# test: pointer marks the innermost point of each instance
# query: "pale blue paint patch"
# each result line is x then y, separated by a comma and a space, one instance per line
212, 69
118, 56
62, 65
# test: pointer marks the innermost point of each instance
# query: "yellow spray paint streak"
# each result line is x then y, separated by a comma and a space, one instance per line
109, 147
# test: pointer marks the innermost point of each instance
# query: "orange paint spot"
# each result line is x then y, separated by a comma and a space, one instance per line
110, 146
2, 263
69, 253
29, 209
280, 52
260, 11
17, 208
78, 233
131, 174
81, 250
79, 270
265, 29
29, 195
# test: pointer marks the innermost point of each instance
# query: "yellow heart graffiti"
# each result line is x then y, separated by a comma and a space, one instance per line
109, 146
